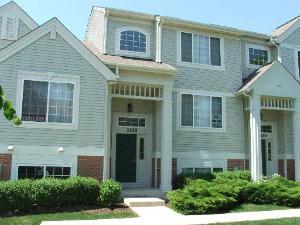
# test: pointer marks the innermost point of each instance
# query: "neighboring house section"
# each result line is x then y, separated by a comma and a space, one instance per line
149, 97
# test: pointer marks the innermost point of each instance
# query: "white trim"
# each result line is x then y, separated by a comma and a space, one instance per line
49, 77
288, 32
118, 51
179, 127
255, 46
203, 92
68, 36
198, 65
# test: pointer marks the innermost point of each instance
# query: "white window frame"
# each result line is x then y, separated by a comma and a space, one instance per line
49, 77
297, 72
255, 46
198, 65
118, 50
4, 24
201, 129
44, 170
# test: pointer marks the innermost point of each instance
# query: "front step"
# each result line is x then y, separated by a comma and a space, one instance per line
143, 202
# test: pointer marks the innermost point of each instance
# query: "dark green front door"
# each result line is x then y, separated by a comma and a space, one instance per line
126, 158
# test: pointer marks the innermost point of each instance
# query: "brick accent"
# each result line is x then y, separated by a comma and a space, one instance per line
237, 164
174, 170
158, 172
290, 169
5, 163
153, 173
90, 166
281, 167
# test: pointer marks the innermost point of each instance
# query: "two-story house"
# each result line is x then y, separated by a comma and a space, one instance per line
145, 97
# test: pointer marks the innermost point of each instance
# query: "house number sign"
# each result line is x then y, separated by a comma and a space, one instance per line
131, 130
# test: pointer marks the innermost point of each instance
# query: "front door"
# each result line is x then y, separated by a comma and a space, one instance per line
126, 157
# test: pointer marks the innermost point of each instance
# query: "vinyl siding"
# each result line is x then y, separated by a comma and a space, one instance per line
246, 70
57, 56
230, 141
113, 24
288, 59
95, 30
228, 80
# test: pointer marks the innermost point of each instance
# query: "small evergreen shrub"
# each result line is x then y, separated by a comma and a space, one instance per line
110, 193
183, 179
236, 174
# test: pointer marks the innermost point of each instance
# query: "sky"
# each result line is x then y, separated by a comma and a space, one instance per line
256, 15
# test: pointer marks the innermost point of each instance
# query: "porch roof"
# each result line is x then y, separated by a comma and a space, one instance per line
272, 80
132, 63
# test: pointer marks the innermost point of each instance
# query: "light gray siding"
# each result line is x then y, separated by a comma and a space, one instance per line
57, 56
23, 29
288, 59
113, 24
293, 38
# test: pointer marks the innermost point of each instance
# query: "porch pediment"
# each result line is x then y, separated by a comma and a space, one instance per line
272, 80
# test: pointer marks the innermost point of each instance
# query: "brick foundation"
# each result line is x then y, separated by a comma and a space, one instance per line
5, 163
290, 166
237, 164
281, 167
174, 170
90, 166
156, 172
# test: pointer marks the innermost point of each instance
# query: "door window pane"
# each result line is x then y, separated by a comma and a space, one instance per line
186, 47
34, 105
187, 110
201, 111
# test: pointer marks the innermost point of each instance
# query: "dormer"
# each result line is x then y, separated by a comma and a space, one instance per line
14, 22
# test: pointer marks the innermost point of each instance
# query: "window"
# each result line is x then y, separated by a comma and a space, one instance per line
142, 148
203, 170
50, 102
133, 41
187, 170
200, 49
298, 61
201, 111
131, 121
266, 129
9, 29
258, 56
38, 172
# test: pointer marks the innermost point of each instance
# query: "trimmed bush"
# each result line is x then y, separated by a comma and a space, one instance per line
201, 196
236, 174
110, 193
183, 179
25, 195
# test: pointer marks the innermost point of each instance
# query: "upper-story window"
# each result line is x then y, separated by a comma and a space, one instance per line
132, 41
9, 28
200, 49
257, 55
201, 111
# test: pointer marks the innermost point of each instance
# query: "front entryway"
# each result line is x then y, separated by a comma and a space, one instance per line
132, 149
268, 145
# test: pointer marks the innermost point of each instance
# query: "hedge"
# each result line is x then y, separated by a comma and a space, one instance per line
26, 195
229, 189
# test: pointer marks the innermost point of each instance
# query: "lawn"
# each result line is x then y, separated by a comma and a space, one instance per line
92, 214
253, 207
290, 221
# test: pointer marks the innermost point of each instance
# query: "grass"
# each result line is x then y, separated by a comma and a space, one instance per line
290, 221
253, 207
83, 215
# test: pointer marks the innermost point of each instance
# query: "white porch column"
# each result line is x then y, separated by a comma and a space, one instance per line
166, 139
107, 131
296, 133
255, 137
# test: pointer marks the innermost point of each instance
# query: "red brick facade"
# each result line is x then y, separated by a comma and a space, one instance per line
281, 167
5, 164
290, 166
237, 164
156, 171
90, 166
174, 170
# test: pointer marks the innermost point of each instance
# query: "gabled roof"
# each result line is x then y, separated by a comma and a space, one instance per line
270, 77
131, 63
281, 32
17, 10
54, 26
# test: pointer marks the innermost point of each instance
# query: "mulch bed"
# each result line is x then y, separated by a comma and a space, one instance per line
86, 209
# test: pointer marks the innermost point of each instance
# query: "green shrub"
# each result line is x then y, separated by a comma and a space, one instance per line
110, 193
201, 196
236, 174
25, 195
183, 178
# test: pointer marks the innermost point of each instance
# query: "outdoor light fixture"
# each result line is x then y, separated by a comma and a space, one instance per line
60, 149
10, 148
129, 108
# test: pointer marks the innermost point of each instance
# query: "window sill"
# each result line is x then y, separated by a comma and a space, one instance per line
48, 125
202, 129
203, 66
133, 54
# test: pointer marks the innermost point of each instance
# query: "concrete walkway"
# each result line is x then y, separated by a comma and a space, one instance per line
164, 216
